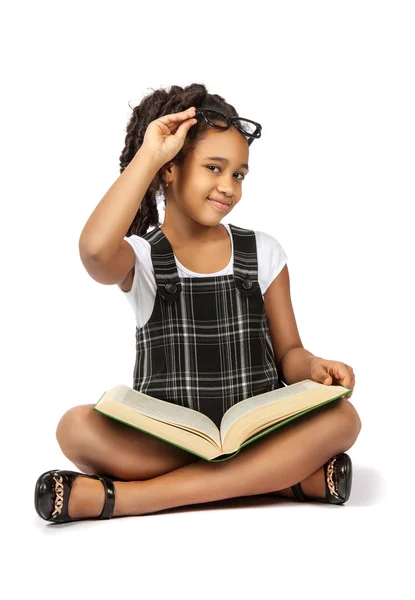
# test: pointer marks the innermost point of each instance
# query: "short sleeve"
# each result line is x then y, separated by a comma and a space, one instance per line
134, 242
271, 259
143, 289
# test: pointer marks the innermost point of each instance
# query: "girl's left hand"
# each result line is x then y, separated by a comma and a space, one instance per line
332, 372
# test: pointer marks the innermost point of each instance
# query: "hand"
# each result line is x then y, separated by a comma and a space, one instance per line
332, 372
165, 136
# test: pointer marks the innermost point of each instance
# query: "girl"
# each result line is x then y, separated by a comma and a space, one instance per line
214, 320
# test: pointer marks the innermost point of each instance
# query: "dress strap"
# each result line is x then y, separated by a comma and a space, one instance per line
245, 263
245, 260
164, 264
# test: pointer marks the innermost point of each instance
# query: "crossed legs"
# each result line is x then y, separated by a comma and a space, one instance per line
158, 476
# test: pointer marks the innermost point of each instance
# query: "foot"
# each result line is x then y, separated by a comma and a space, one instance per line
315, 485
86, 499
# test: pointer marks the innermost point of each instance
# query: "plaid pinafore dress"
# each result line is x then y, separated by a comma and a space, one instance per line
207, 344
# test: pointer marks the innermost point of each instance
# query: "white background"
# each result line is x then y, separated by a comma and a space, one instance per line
332, 178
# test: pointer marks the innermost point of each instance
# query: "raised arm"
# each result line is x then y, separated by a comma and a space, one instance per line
103, 250
105, 254
109, 222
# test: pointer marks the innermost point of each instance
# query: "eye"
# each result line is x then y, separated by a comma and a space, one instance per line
215, 167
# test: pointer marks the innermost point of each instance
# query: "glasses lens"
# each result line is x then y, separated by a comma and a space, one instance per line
216, 119
248, 127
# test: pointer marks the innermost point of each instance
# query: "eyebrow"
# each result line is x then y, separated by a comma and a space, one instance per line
225, 160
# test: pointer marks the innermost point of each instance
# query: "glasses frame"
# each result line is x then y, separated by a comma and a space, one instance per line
231, 121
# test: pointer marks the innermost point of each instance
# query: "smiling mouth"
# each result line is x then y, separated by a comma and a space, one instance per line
219, 202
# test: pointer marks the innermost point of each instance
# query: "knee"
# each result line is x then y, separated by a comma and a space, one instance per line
71, 430
348, 419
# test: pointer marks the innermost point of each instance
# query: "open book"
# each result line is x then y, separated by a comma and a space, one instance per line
241, 424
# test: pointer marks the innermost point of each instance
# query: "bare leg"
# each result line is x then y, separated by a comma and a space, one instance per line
97, 444
275, 462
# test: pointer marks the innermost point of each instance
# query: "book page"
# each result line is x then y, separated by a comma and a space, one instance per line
181, 437
250, 404
164, 411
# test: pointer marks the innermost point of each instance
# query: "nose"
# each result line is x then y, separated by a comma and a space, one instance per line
226, 192
223, 188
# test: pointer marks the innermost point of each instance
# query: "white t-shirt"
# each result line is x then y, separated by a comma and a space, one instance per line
271, 260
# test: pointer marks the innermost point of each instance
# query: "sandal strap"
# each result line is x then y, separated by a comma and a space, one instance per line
298, 493
109, 497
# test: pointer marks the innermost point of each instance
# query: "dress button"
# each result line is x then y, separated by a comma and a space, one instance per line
171, 288
247, 284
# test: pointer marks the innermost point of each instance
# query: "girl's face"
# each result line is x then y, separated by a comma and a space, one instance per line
200, 177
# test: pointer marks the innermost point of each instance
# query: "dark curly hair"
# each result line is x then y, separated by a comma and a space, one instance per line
153, 106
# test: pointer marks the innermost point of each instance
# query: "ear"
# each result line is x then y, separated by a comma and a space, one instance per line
165, 173
169, 172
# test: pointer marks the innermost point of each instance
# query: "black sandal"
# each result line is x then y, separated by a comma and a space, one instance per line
338, 473
52, 493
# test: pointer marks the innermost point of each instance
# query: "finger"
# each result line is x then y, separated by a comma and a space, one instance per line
184, 128
172, 127
337, 373
340, 375
348, 380
180, 116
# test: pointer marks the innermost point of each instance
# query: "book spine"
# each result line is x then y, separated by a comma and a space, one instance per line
224, 457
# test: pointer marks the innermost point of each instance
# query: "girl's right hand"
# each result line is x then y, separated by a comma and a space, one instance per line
164, 137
